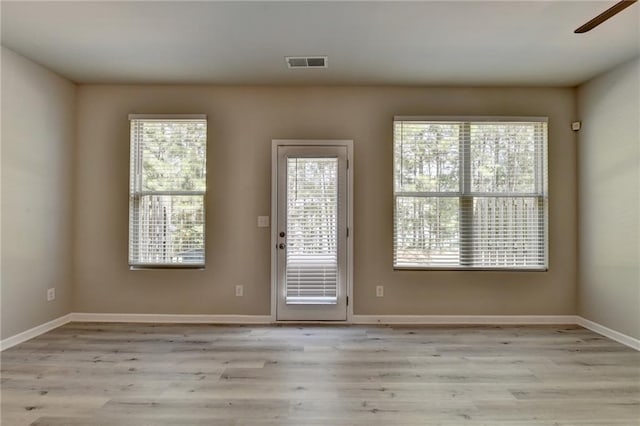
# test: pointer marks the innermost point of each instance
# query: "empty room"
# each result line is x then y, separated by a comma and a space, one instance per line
320, 213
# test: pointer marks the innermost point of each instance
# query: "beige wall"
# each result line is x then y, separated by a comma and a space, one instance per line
609, 194
38, 131
242, 122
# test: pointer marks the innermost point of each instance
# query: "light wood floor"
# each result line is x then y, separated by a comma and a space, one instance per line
159, 375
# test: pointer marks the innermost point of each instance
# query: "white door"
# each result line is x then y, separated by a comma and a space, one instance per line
311, 234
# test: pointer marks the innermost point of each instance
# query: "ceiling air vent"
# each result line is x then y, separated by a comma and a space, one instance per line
306, 61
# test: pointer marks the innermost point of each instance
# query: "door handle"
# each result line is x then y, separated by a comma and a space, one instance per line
282, 246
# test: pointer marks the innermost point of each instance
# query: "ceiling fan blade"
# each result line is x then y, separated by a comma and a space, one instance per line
615, 9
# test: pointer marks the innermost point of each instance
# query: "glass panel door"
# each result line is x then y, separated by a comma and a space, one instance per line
312, 233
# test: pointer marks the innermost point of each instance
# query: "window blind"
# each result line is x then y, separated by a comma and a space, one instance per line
312, 230
470, 193
167, 191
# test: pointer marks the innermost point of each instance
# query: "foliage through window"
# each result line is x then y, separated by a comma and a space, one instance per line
167, 191
470, 193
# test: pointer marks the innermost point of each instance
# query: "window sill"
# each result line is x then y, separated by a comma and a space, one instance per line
460, 269
152, 267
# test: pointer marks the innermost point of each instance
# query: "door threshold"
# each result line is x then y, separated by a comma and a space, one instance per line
312, 322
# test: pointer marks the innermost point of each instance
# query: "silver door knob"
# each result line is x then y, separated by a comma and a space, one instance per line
282, 246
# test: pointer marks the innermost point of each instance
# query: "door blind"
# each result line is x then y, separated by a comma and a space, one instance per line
167, 190
470, 193
312, 237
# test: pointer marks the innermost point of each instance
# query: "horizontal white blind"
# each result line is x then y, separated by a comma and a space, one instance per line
312, 237
166, 191
470, 193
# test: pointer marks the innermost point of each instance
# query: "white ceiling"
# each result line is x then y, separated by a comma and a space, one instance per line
409, 43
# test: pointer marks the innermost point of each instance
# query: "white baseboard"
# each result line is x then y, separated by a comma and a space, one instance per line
10, 342
464, 319
356, 319
611, 334
172, 318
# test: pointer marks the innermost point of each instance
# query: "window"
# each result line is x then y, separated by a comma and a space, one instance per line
470, 193
167, 188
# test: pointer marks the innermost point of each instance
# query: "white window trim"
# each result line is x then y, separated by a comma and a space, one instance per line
138, 193
161, 117
459, 118
461, 192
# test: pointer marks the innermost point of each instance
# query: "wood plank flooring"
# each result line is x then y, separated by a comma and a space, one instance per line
158, 375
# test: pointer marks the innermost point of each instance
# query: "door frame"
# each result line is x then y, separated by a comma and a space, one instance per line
275, 143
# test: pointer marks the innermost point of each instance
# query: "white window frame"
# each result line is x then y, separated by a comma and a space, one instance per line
465, 194
135, 191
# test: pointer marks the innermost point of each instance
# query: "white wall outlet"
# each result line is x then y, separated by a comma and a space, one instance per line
379, 291
51, 294
239, 290
576, 125
263, 221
